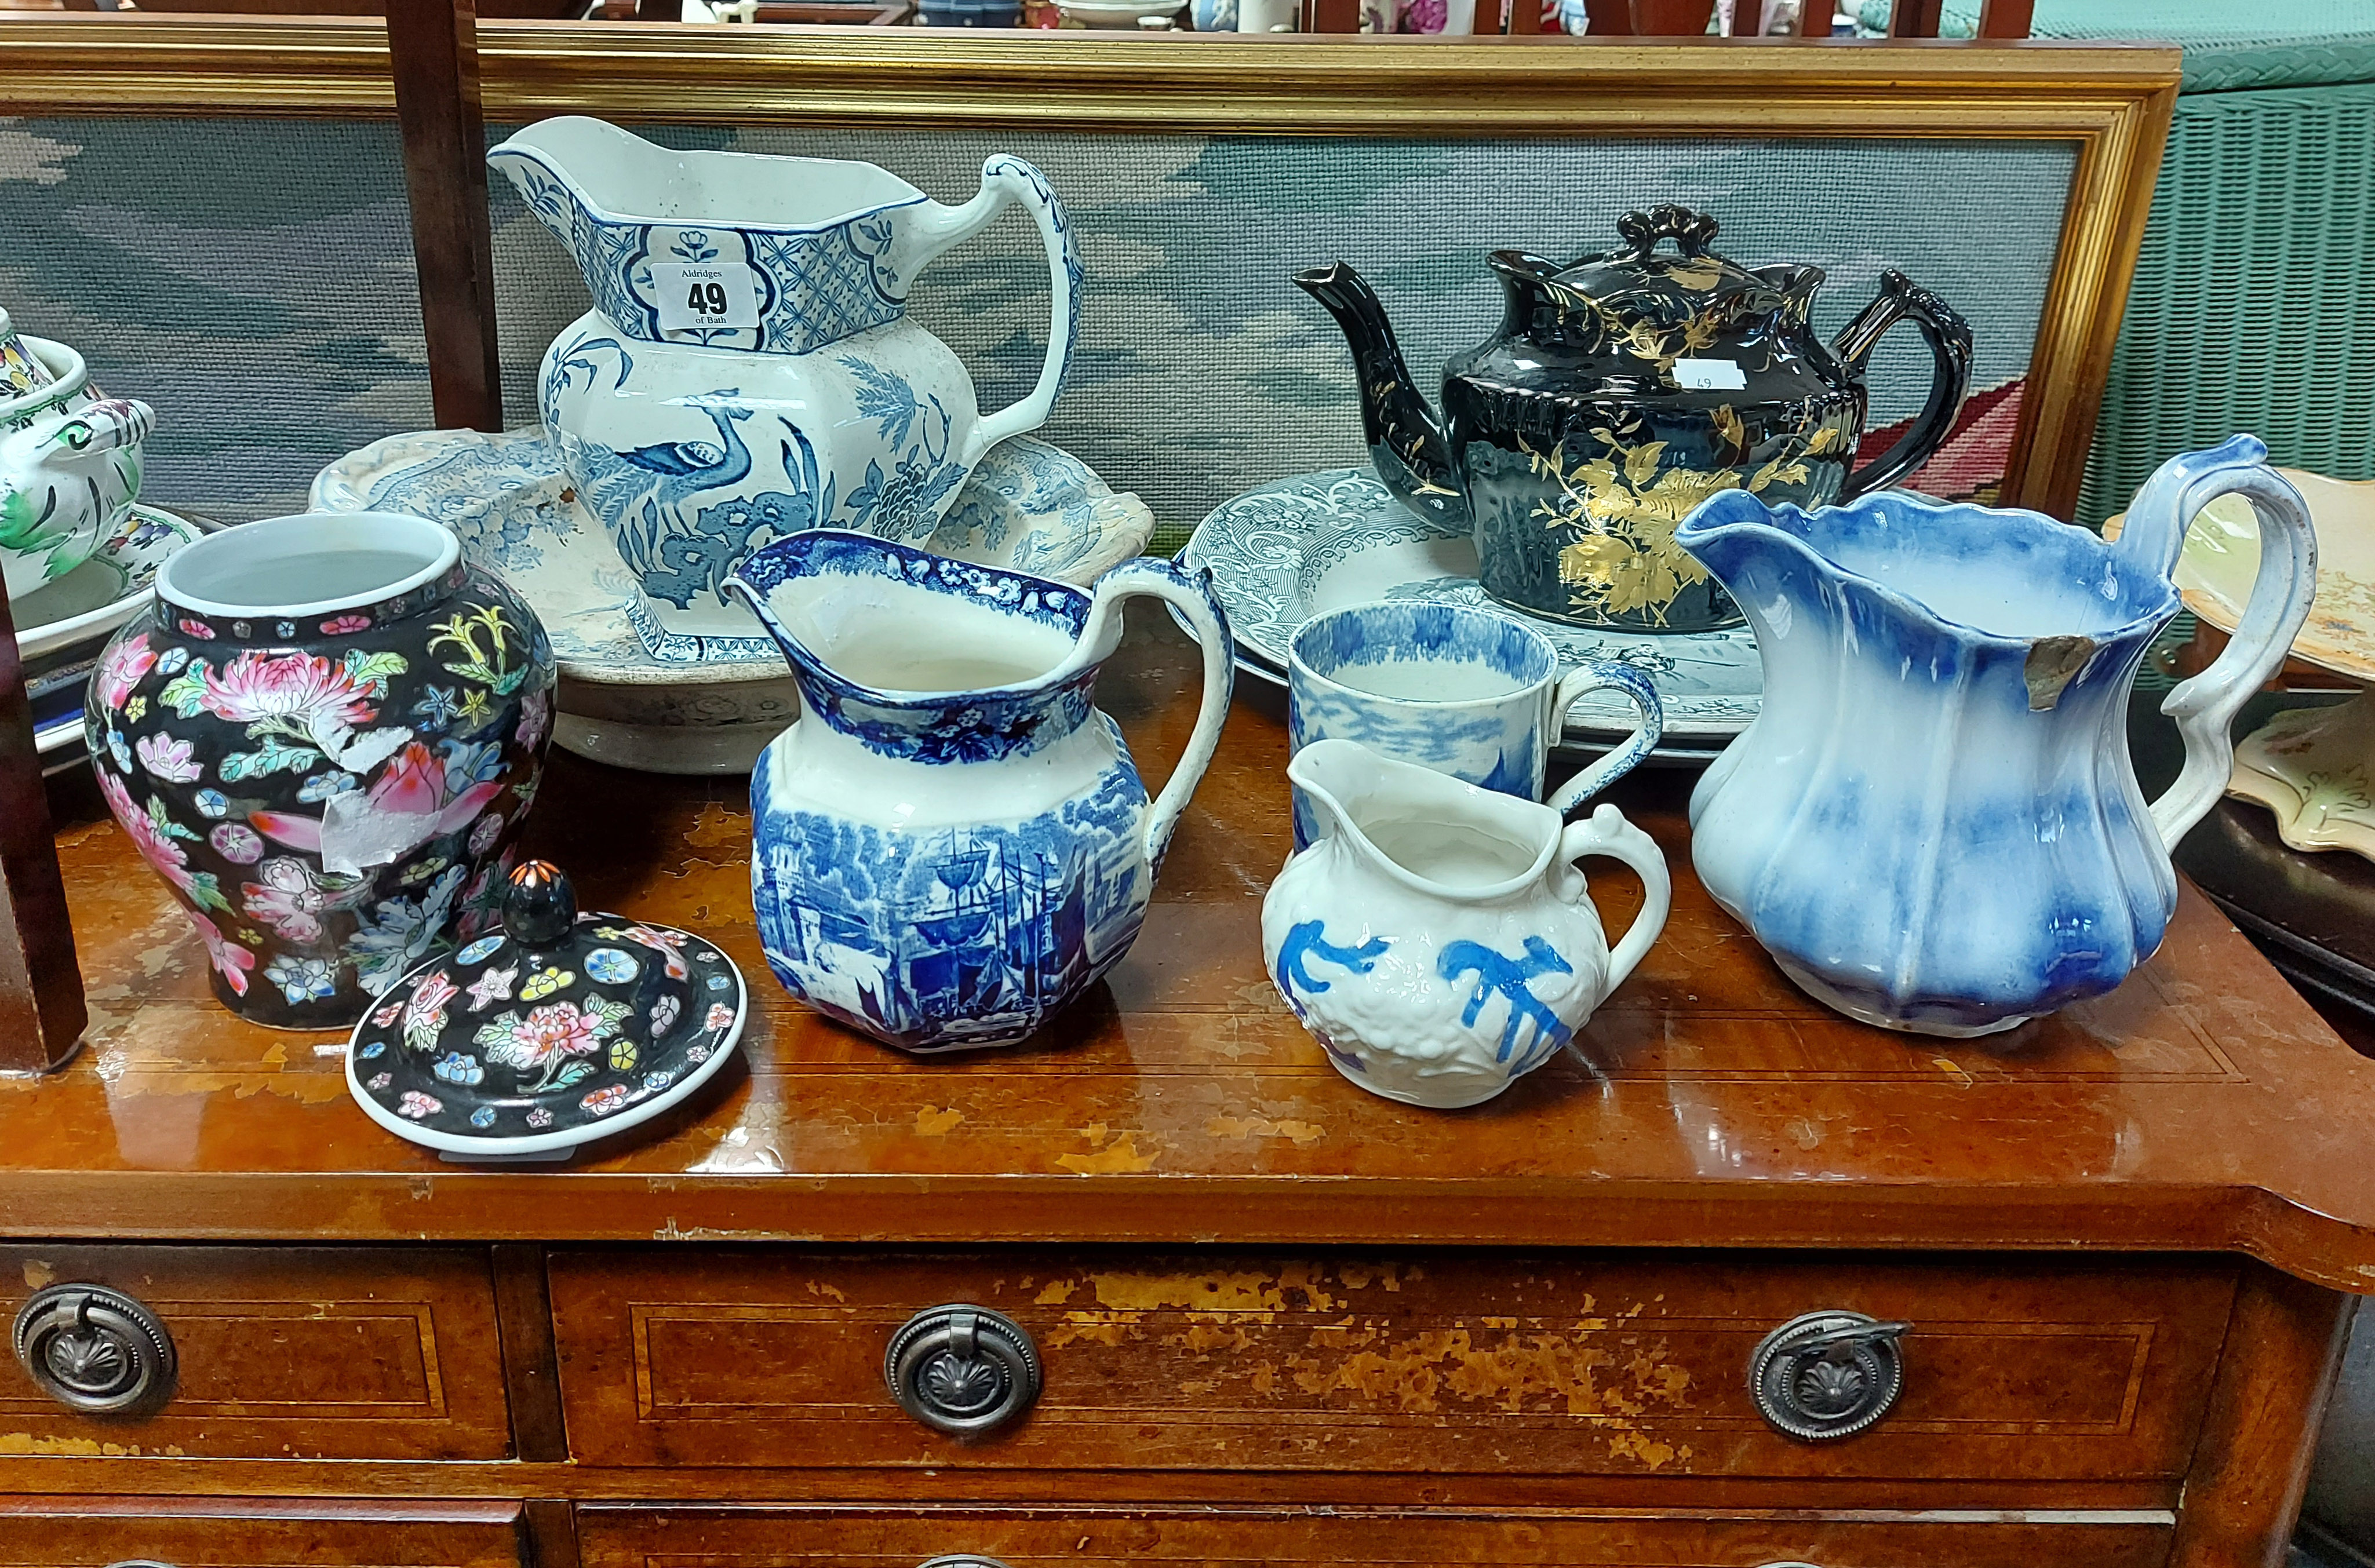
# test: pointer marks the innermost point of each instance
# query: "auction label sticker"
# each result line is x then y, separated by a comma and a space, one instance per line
697, 296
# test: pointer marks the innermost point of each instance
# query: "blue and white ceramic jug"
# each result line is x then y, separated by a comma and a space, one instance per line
952, 843
748, 370
1932, 825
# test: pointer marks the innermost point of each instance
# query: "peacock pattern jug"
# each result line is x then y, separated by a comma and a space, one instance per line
748, 370
952, 843
1932, 824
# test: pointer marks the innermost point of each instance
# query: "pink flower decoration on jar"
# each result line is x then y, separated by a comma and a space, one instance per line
345, 625
415, 1104
425, 1013
290, 899
237, 843
196, 628
230, 960
297, 690
155, 846
602, 1101
169, 758
536, 711
555, 1030
121, 669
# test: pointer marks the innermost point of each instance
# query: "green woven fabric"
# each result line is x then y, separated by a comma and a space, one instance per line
2226, 49
2253, 306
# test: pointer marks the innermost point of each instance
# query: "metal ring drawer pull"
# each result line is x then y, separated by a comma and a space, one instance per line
1827, 1374
97, 1351
962, 1370
139, 1562
963, 1559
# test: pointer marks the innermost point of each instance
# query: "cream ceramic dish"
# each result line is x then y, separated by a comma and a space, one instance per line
1028, 506
2314, 768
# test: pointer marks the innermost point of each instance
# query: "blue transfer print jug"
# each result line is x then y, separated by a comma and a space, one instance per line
952, 843
1438, 939
748, 370
1932, 824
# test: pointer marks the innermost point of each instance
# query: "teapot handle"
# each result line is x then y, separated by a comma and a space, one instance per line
1950, 351
1006, 180
1606, 832
1148, 576
2205, 706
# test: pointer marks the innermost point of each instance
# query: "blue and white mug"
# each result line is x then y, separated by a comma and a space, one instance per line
1468, 693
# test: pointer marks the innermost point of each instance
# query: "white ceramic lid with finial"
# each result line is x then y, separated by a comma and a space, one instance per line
559, 1029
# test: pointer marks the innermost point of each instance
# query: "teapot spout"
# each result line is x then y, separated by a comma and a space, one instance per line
1406, 439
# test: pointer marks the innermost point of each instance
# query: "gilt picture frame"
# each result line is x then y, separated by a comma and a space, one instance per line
2031, 161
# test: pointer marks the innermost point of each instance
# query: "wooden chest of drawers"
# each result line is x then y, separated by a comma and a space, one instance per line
1106, 1538
1276, 1321
1485, 1364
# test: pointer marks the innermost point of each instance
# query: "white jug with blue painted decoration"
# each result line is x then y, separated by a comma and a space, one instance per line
1934, 825
953, 843
748, 370
1438, 939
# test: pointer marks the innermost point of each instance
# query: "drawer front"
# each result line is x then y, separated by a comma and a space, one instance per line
631, 1538
1464, 1364
284, 1353
41, 1532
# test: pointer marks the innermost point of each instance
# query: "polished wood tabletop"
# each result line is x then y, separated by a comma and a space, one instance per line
2202, 1106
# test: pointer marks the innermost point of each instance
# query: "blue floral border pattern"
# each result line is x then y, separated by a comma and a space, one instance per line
972, 726
817, 285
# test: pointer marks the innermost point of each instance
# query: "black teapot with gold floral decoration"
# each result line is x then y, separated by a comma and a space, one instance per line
1620, 392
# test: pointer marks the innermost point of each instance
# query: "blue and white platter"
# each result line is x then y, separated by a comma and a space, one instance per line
1028, 506
1295, 547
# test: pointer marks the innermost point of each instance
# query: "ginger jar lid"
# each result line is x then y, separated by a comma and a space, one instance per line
559, 1029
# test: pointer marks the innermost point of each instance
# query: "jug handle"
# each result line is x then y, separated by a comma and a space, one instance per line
2205, 706
1606, 832
1598, 675
1148, 576
1950, 352
1006, 180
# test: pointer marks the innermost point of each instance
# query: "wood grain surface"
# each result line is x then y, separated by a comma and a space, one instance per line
2201, 1107
284, 1353
1094, 1537
1611, 1365
63, 1532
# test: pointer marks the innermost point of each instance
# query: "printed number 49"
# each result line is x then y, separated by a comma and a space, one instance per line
706, 298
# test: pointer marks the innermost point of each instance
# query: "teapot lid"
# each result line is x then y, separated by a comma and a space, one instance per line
1657, 307
559, 1029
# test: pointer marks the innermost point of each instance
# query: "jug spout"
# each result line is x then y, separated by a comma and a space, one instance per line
1415, 825
1406, 441
545, 163
1727, 534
